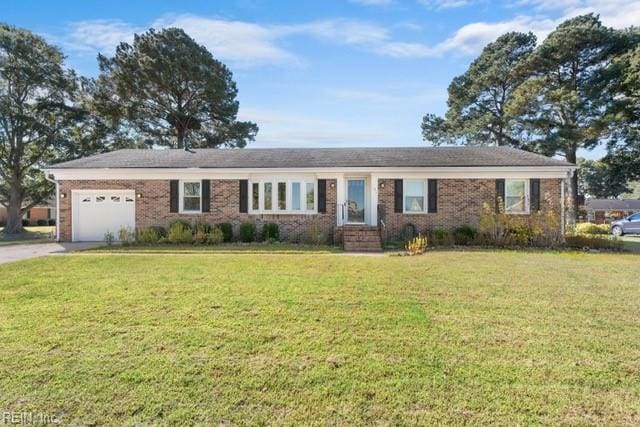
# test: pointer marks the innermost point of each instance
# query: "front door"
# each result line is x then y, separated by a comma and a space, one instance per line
355, 200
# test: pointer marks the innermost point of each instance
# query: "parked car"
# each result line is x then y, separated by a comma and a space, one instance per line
628, 225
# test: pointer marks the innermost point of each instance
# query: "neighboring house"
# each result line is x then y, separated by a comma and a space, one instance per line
355, 193
45, 211
606, 210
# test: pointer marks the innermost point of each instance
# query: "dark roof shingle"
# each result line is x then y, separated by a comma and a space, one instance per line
273, 158
613, 204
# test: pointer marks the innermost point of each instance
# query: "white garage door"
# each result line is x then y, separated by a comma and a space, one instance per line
98, 212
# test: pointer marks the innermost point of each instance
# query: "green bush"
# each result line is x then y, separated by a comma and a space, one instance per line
150, 235
126, 236
589, 228
179, 233
183, 222
465, 235
215, 236
41, 222
109, 238
227, 230
25, 222
51, 222
202, 226
247, 232
408, 232
271, 232
440, 237
593, 241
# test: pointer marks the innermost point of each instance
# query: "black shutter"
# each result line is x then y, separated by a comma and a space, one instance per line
433, 195
244, 196
174, 195
499, 193
322, 195
206, 195
534, 189
397, 196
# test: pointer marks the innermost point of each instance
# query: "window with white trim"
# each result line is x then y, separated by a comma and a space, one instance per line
191, 196
515, 194
283, 196
415, 195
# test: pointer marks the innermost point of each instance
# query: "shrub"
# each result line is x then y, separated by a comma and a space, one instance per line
41, 222
215, 236
247, 232
440, 237
179, 233
227, 230
202, 226
270, 232
151, 235
417, 245
125, 235
593, 241
408, 232
465, 235
589, 228
185, 224
51, 222
109, 238
25, 222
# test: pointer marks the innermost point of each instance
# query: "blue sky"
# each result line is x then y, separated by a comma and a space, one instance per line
319, 73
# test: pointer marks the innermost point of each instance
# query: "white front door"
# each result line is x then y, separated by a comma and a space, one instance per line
356, 200
96, 212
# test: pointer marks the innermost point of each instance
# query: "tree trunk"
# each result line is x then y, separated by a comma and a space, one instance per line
14, 217
180, 138
572, 210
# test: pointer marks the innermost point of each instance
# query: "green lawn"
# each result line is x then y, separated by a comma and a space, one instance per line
39, 234
449, 337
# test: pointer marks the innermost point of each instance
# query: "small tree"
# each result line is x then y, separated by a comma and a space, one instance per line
166, 89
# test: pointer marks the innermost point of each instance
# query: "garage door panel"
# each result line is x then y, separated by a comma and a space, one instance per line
97, 212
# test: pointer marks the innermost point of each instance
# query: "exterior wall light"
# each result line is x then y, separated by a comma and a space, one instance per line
139, 195
332, 185
62, 195
382, 185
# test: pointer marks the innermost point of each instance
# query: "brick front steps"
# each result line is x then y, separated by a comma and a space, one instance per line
361, 238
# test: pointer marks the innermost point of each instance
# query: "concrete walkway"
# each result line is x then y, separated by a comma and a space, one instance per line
10, 253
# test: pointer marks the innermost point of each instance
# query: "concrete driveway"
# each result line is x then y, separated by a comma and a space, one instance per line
19, 252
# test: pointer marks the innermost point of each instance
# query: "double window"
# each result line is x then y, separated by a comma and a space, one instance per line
283, 196
415, 195
190, 196
516, 200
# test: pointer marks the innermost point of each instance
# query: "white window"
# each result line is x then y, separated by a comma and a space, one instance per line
415, 195
284, 196
295, 196
311, 193
515, 194
255, 196
268, 196
190, 198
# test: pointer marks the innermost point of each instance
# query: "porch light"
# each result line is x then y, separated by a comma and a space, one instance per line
382, 185
139, 195
62, 195
332, 185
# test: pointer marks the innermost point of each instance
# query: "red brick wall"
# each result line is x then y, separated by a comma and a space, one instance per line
460, 202
153, 208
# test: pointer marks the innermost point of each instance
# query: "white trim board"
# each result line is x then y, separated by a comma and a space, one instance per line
327, 173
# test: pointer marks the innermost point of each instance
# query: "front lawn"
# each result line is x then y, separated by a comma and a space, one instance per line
446, 338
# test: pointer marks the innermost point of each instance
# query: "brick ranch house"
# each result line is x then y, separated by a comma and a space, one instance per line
353, 195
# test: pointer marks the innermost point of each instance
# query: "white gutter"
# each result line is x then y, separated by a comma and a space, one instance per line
46, 176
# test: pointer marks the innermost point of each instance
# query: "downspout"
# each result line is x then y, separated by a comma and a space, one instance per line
562, 208
46, 176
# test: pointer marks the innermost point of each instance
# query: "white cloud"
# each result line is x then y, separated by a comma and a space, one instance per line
445, 4
99, 35
281, 129
613, 13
